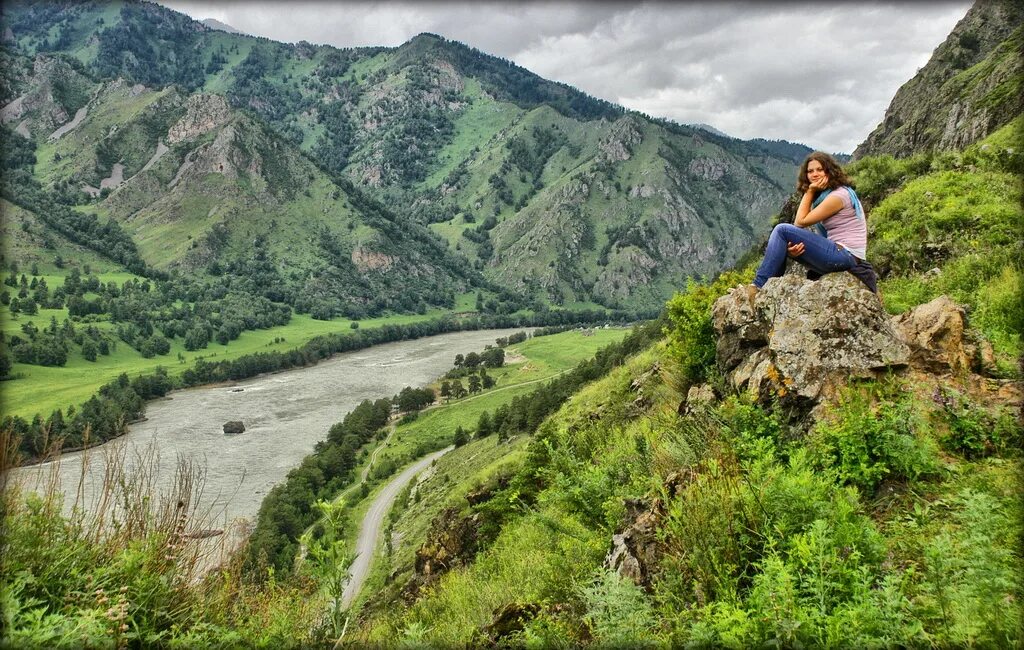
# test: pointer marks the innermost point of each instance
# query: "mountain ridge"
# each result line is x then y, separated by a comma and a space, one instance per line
393, 120
975, 74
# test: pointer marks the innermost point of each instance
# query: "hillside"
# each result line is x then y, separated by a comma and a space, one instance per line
807, 465
548, 193
686, 500
970, 87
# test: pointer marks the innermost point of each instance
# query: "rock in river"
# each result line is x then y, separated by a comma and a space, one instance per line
234, 426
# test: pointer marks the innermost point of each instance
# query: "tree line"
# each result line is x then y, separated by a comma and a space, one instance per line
107, 417
289, 509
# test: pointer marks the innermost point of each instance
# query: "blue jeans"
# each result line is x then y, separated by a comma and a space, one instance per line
820, 254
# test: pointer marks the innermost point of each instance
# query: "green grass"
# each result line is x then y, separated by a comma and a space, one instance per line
968, 223
443, 485
545, 357
452, 231
27, 245
454, 474
477, 123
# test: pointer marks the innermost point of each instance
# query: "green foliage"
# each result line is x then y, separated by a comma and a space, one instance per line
152, 46
970, 574
959, 213
618, 612
126, 578
691, 336
291, 507
879, 176
975, 431
867, 445
946, 215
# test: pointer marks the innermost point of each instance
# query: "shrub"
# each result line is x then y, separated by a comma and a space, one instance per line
976, 432
618, 612
867, 445
691, 335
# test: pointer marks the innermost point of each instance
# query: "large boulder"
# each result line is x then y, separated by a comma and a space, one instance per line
798, 341
935, 332
637, 548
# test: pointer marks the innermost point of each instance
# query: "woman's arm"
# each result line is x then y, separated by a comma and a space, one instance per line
805, 216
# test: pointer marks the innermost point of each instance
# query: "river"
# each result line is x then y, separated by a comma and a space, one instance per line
285, 414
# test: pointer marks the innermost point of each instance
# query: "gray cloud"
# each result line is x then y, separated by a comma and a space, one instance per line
821, 75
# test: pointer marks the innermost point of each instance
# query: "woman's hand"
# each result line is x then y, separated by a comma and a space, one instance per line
821, 183
795, 250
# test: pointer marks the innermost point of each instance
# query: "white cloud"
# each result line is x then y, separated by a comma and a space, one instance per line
797, 71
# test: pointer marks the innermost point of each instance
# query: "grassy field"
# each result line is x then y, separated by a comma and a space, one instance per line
39, 389
538, 359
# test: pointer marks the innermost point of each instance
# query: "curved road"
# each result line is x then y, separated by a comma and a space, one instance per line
373, 520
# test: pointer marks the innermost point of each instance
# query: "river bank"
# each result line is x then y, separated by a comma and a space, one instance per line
285, 413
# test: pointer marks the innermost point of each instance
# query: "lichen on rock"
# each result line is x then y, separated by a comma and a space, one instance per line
799, 341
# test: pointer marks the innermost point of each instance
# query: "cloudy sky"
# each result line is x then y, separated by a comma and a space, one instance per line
818, 73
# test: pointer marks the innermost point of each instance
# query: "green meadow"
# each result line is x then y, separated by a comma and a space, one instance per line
41, 389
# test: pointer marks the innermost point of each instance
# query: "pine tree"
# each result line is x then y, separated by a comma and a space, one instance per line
483, 425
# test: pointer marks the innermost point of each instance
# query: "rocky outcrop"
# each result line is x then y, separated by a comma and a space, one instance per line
967, 89
451, 542
367, 260
798, 341
623, 136
40, 108
636, 550
234, 426
708, 169
508, 620
935, 333
203, 113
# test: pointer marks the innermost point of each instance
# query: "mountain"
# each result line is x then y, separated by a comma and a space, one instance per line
528, 186
710, 129
213, 23
970, 87
804, 466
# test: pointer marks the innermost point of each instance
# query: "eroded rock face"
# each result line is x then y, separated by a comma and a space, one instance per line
203, 113
935, 333
623, 136
451, 542
636, 550
799, 341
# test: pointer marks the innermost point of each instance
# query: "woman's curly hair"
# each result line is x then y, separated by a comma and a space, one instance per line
836, 176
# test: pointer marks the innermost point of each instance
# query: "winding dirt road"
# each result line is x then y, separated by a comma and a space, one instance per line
373, 521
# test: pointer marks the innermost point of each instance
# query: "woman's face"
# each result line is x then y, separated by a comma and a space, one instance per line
815, 172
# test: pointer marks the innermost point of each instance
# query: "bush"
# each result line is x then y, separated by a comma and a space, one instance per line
867, 445
618, 612
691, 336
975, 432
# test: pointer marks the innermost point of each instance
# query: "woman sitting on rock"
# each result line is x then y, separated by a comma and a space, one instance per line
840, 240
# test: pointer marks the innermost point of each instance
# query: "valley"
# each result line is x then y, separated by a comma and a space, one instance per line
502, 379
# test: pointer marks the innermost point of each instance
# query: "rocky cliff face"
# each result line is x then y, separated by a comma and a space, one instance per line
969, 88
52, 95
203, 113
